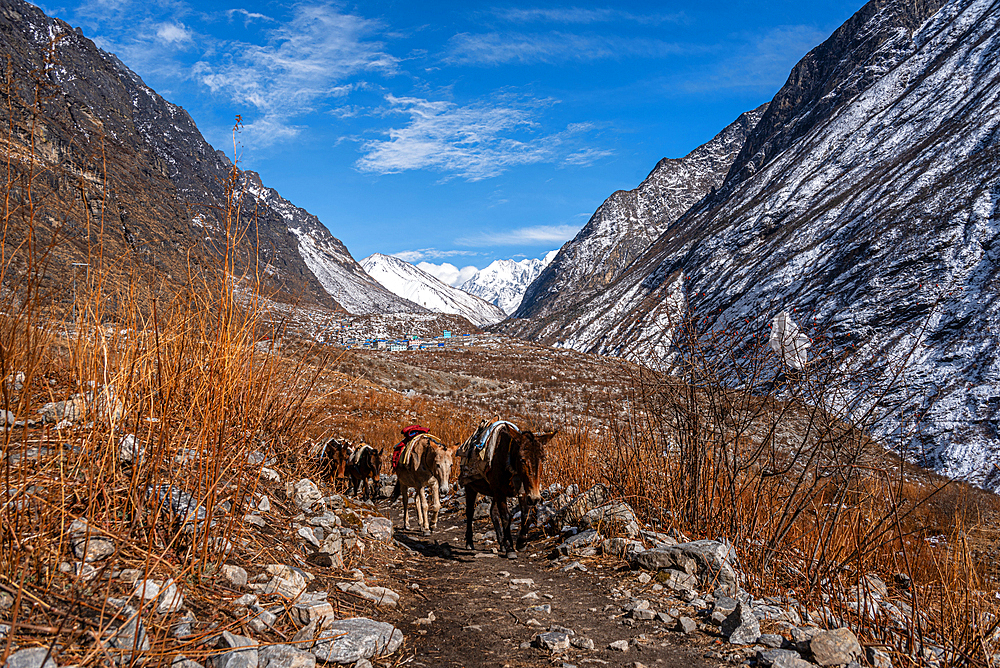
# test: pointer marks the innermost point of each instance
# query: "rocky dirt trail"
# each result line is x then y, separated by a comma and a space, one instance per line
475, 608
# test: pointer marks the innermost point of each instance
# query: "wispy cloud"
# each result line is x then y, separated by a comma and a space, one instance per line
582, 15
763, 63
537, 234
474, 142
431, 254
247, 16
587, 156
554, 47
305, 61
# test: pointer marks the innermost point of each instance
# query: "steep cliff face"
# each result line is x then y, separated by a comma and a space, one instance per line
867, 198
625, 225
111, 154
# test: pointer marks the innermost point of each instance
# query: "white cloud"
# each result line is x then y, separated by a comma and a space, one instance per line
587, 156
554, 47
475, 141
248, 16
525, 235
305, 61
448, 273
173, 33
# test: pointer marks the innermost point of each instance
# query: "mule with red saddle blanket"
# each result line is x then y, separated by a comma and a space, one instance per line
422, 460
501, 461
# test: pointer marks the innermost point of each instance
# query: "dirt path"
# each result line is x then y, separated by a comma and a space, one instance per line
481, 610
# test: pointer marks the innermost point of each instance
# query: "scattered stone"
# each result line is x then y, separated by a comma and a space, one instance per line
425, 621
310, 611
644, 578
171, 599
545, 609
741, 626
583, 544
686, 625
575, 566
284, 656
552, 641
772, 640
93, 548
306, 494
643, 615
182, 627
531, 596
242, 654
130, 575
624, 548
350, 640
378, 595
180, 661
878, 659
234, 574
255, 519
581, 643
285, 581
127, 633
769, 657
378, 528
310, 536
264, 504
130, 452
619, 646
146, 590
802, 636
527, 582
246, 600
666, 619
269, 474
33, 657
181, 507
837, 647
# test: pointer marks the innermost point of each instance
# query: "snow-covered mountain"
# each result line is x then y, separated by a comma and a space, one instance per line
503, 282
416, 285
626, 224
328, 258
866, 196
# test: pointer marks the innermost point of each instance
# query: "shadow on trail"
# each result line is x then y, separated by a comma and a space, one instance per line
430, 547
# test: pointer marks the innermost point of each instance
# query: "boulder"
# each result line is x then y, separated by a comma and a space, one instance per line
711, 561
380, 596
574, 511
171, 600
130, 451
234, 574
552, 641
581, 543
347, 641
836, 647
741, 627
622, 547
615, 518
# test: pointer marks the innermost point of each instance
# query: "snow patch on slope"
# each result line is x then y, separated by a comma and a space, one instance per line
503, 282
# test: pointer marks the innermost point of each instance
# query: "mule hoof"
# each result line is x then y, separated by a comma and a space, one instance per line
468, 545
512, 555
426, 532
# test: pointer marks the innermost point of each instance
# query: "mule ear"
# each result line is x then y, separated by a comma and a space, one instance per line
545, 437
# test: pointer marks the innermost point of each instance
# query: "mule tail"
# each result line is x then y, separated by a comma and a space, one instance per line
395, 493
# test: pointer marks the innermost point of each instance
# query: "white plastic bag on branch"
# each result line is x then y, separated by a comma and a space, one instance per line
789, 342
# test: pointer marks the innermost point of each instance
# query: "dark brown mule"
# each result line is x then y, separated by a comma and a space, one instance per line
333, 456
514, 470
364, 468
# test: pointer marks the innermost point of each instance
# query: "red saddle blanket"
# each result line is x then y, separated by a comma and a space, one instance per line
408, 434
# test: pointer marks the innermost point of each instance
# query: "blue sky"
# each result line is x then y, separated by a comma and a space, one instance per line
452, 131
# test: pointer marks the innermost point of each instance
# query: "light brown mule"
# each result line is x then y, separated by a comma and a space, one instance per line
426, 462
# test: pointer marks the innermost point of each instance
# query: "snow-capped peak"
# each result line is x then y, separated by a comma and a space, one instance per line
416, 285
503, 282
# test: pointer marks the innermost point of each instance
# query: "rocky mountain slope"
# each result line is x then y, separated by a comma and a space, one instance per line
419, 287
626, 224
866, 197
504, 282
111, 154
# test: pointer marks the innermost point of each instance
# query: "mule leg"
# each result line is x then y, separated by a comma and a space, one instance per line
522, 533
405, 491
435, 505
470, 511
507, 541
497, 523
422, 512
